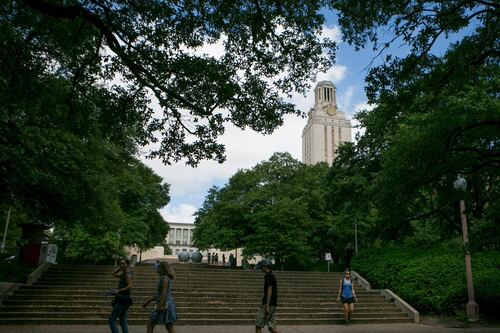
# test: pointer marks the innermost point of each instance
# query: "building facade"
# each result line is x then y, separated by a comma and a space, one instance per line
327, 127
180, 238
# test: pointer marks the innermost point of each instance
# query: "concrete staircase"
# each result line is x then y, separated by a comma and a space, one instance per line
204, 296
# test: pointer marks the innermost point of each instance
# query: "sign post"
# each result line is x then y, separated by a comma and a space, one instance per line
328, 258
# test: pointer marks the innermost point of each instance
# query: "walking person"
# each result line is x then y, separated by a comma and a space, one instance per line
270, 299
348, 254
347, 295
122, 300
165, 311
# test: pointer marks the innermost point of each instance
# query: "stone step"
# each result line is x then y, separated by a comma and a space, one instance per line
204, 296
188, 303
196, 309
199, 277
195, 280
283, 298
229, 300
194, 283
195, 293
139, 284
103, 313
200, 322
178, 268
109, 270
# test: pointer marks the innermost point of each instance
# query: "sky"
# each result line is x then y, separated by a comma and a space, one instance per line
244, 149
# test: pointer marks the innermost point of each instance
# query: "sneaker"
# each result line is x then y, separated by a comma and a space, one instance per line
346, 322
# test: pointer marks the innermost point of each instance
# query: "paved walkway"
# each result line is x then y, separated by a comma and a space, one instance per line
359, 328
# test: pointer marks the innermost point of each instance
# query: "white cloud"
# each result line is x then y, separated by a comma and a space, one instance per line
345, 100
215, 50
336, 74
182, 213
363, 106
355, 123
244, 149
332, 33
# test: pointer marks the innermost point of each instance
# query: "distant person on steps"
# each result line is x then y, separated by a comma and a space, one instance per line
348, 254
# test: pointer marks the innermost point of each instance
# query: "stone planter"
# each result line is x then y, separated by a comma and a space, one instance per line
183, 256
196, 256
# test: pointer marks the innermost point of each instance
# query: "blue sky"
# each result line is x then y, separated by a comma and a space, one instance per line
244, 149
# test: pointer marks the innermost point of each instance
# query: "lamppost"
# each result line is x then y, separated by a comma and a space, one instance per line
4, 240
356, 235
471, 308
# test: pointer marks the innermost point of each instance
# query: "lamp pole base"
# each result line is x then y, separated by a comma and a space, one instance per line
472, 311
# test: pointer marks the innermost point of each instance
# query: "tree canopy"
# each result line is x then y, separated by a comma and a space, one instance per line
275, 208
67, 153
435, 116
270, 49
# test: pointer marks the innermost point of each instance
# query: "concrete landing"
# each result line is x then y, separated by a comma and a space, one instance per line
359, 328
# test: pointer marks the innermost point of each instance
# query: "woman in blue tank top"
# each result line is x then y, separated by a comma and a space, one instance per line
347, 295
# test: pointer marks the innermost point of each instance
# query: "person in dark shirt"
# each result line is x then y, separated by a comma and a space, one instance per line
348, 254
270, 299
122, 299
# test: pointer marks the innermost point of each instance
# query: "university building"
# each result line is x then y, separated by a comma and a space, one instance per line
179, 239
327, 127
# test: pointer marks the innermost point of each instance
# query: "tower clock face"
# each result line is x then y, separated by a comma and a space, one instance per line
331, 110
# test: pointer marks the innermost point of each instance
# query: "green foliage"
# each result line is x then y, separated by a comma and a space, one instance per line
13, 270
129, 217
270, 210
68, 145
155, 48
349, 193
434, 116
433, 280
14, 231
95, 247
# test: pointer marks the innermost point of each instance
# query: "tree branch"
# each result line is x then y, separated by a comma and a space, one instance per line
145, 77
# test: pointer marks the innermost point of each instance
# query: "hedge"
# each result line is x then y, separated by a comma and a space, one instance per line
433, 281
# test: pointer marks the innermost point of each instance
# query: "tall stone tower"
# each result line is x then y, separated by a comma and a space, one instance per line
326, 127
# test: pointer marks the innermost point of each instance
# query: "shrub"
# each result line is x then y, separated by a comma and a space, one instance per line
13, 271
433, 280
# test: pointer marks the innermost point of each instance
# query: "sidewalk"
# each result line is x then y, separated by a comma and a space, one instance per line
359, 328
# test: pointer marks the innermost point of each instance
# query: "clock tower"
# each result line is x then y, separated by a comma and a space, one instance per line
327, 127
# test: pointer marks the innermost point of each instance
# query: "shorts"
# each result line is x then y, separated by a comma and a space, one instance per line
261, 320
348, 300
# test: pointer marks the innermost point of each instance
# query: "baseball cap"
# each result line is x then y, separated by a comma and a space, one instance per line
263, 262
